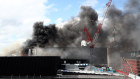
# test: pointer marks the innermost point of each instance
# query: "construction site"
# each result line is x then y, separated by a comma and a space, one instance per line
84, 48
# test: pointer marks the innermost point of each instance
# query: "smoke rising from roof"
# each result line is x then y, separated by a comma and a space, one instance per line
125, 22
69, 35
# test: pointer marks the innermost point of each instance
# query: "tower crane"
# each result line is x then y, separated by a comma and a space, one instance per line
87, 38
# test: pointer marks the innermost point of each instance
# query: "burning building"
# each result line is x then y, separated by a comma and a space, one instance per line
51, 40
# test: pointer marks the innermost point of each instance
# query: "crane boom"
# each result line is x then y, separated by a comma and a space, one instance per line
99, 26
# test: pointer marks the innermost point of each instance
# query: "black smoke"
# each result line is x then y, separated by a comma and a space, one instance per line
125, 21
68, 36
41, 35
127, 24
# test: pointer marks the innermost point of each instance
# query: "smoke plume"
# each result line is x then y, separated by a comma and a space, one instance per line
125, 23
48, 36
68, 36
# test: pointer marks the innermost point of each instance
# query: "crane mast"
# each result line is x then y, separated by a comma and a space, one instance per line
93, 41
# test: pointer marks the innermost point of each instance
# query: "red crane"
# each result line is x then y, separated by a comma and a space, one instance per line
86, 36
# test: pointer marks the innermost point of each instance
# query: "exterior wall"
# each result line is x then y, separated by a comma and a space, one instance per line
29, 65
133, 59
133, 63
138, 66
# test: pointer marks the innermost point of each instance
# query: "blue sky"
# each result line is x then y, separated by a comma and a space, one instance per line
70, 8
18, 16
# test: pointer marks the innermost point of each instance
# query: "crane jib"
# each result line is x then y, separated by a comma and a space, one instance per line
86, 34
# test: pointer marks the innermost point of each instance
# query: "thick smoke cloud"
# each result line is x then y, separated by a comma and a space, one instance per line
42, 35
44, 38
125, 22
68, 36
127, 25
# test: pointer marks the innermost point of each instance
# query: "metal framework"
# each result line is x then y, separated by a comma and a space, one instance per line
87, 38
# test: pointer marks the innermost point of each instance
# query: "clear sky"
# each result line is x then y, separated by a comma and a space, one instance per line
17, 16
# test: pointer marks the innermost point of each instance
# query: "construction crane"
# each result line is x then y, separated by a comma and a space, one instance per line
86, 36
